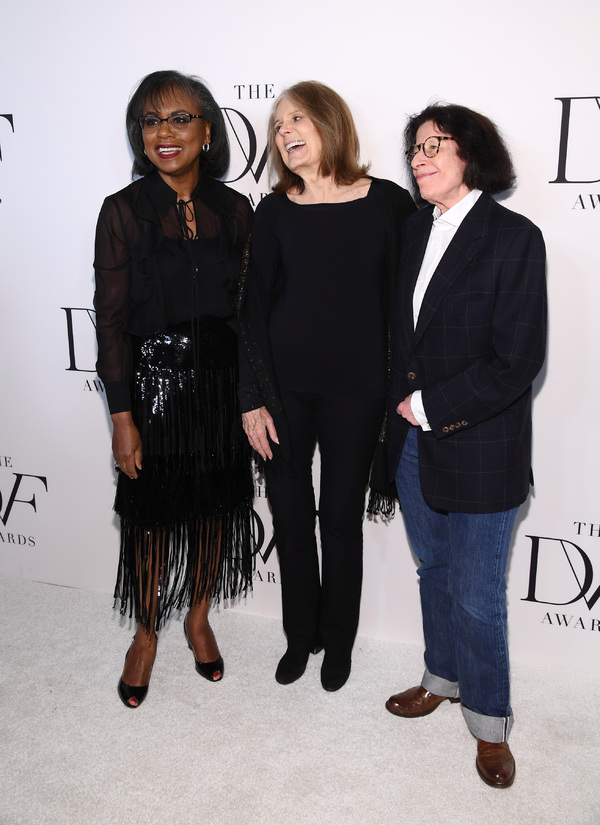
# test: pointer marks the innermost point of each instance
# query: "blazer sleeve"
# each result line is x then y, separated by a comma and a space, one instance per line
501, 359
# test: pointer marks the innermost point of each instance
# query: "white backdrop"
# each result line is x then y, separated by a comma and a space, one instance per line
66, 71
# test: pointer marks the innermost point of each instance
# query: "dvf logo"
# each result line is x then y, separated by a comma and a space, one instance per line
245, 153
579, 127
560, 573
23, 485
81, 340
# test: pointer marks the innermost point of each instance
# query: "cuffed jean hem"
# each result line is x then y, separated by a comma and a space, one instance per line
439, 686
488, 728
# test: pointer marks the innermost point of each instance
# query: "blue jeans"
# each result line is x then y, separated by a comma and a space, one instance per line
462, 573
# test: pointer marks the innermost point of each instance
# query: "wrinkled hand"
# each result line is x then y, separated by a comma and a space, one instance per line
257, 423
126, 444
405, 410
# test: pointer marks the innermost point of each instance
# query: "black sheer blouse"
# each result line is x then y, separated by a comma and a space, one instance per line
148, 277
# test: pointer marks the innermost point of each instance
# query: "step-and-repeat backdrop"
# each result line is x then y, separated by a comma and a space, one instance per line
66, 71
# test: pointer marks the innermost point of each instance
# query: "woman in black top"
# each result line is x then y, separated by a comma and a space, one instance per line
314, 369
168, 255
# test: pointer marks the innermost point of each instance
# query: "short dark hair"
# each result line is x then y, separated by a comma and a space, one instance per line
153, 89
489, 166
333, 120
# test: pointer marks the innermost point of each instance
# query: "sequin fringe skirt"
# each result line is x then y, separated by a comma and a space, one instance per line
186, 521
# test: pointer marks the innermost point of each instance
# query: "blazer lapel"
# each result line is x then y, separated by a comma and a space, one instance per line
464, 246
413, 250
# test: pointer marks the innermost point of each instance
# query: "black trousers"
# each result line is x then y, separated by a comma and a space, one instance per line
324, 604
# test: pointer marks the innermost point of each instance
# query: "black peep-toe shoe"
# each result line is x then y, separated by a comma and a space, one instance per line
127, 692
213, 671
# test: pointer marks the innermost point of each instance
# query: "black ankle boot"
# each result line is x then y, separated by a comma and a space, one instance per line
291, 667
335, 672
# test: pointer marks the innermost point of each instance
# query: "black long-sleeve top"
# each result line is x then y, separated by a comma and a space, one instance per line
317, 294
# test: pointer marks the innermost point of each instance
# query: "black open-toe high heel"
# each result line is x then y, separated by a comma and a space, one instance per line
213, 671
128, 692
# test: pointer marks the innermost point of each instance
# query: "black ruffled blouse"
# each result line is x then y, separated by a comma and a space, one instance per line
148, 278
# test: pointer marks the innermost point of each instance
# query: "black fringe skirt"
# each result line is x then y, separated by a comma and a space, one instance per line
186, 521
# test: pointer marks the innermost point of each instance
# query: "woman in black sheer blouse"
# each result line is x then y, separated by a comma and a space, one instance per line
314, 329
168, 255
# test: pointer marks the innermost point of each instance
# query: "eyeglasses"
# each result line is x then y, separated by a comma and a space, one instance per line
430, 147
178, 123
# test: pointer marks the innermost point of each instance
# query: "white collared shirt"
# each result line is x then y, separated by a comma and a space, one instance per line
442, 231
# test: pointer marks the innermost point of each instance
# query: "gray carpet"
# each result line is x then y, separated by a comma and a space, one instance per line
247, 750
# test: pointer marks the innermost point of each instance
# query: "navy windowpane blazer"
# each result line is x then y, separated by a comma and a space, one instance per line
480, 341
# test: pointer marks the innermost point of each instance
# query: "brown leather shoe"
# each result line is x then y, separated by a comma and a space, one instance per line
495, 764
415, 702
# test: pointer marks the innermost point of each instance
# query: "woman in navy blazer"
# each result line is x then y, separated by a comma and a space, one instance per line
468, 338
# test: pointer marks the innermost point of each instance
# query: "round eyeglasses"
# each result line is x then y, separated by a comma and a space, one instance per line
178, 123
430, 147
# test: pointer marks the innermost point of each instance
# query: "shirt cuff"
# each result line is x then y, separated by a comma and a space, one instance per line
118, 395
416, 405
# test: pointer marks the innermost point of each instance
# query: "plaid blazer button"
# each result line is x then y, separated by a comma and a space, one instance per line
445, 429
411, 376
